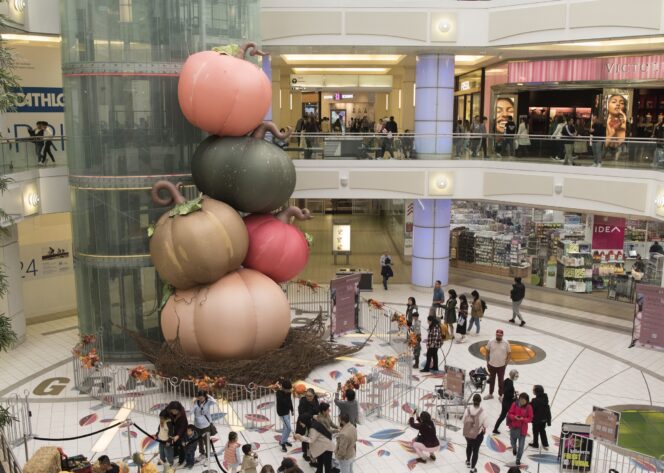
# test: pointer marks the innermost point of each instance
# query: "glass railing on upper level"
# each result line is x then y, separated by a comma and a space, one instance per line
21, 154
570, 150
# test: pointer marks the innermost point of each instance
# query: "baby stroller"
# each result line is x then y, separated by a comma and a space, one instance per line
477, 379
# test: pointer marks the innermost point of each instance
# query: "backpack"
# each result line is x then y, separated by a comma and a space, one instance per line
471, 425
483, 305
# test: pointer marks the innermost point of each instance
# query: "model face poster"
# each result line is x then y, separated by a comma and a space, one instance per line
505, 107
616, 109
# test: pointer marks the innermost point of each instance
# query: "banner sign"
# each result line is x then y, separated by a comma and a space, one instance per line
649, 316
40, 99
47, 260
608, 233
576, 447
345, 296
605, 425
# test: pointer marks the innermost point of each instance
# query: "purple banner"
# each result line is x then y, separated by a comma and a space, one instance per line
345, 295
649, 316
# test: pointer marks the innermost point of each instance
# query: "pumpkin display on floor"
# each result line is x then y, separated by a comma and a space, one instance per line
197, 242
277, 248
248, 173
240, 316
222, 93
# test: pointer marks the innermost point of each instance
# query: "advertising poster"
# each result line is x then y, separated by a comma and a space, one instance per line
649, 316
455, 379
408, 228
504, 108
616, 109
345, 296
608, 239
341, 238
605, 425
576, 447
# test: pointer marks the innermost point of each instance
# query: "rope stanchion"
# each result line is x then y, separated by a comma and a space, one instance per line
48, 439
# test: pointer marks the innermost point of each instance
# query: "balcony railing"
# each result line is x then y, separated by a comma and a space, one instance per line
24, 153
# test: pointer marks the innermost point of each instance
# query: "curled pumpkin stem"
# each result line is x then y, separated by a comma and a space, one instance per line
263, 128
251, 49
288, 214
174, 197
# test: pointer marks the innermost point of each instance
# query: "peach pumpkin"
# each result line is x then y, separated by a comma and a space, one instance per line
241, 316
197, 242
222, 93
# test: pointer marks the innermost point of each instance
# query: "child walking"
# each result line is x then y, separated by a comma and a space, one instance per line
189, 443
231, 454
249, 460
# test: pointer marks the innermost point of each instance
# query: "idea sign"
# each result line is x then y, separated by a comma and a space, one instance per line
608, 233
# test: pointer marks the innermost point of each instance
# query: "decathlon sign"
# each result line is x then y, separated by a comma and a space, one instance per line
608, 233
40, 99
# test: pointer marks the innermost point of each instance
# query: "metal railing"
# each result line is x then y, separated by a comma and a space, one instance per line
20, 429
8, 462
580, 454
21, 154
306, 297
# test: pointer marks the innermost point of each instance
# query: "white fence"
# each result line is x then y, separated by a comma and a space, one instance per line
603, 458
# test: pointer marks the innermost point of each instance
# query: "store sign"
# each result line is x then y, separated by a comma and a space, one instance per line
341, 238
587, 69
576, 447
605, 425
608, 233
465, 85
40, 99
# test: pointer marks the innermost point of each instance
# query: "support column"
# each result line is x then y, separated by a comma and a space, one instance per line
431, 242
434, 105
11, 305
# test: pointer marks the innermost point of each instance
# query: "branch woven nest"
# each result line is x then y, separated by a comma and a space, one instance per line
304, 349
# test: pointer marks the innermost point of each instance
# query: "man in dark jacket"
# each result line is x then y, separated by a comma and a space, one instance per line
308, 406
541, 417
285, 410
517, 295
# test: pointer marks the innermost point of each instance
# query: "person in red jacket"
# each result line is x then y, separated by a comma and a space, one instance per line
518, 418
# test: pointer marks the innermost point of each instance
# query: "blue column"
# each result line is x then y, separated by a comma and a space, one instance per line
431, 242
434, 105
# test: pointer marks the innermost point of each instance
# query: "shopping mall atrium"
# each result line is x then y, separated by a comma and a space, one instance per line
352, 236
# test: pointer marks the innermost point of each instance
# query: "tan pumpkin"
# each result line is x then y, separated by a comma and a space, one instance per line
241, 316
197, 242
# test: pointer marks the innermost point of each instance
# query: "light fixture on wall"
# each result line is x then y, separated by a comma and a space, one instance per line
659, 201
33, 199
19, 5
290, 100
441, 183
414, 93
558, 188
444, 25
387, 101
279, 99
399, 99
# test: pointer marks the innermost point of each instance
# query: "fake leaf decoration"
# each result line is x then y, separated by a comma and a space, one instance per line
228, 50
150, 231
167, 293
185, 208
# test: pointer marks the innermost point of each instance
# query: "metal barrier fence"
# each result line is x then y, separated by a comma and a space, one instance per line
583, 455
20, 428
8, 462
306, 297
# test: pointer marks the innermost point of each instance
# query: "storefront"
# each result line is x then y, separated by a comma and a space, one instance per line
626, 93
468, 94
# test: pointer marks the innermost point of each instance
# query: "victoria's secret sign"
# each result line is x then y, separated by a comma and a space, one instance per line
588, 69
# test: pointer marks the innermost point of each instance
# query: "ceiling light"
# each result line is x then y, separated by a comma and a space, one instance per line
467, 58
30, 37
343, 58
300, 70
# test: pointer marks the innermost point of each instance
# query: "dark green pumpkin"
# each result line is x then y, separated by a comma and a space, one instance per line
249, 174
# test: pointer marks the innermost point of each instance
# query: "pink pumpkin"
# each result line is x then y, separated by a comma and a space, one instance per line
276, 248
223, 94
241, 316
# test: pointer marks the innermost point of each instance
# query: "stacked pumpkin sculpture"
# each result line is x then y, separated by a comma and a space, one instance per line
224, 270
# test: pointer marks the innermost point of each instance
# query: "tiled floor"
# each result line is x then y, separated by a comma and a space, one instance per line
585, 365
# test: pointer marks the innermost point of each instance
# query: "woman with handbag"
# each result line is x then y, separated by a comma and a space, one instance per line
475, 423
179, 419
426, 441
518, 417
450, 312
203, 421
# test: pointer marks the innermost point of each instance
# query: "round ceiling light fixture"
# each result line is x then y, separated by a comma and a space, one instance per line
444, 26
441, 183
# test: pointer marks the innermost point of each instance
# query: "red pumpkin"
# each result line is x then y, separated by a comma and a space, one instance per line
241, 316
224, 94
276, 248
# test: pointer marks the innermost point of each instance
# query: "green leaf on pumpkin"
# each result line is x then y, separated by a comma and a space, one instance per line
185, 208
168, 292
150, 231
229, 50
310, 239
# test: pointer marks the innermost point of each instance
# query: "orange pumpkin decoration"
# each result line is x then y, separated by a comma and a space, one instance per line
241, 316
197, 242
299, 389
